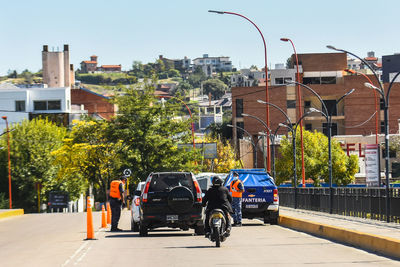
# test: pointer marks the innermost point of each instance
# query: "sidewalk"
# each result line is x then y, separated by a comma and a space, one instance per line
368, 234
5, 213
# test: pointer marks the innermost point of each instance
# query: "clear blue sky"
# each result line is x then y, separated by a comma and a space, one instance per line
121, 31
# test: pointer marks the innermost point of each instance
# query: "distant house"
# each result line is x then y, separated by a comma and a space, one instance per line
90, 66
209, 65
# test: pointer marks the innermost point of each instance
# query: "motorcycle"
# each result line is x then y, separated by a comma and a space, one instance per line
219, 231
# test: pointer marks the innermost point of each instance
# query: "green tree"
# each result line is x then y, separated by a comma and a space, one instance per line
88, 157
150, 131
181, 89
216, 87
315, 160
173, 73
31, 144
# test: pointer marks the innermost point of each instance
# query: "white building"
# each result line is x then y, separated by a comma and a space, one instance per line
27, 103
210, 65
247, 78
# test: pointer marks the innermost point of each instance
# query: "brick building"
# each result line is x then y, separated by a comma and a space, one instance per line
325, 74
97, 105
90, 66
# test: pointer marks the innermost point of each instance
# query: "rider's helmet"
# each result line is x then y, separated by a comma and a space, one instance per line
217, 181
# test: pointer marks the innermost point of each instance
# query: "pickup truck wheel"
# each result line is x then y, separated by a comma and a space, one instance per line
143, 231
266, 219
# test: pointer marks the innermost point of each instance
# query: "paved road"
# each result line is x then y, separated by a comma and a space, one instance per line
57, 240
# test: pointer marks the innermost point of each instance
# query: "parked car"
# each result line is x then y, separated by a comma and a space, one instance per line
260, 199
204, 179
135, 219
171, 199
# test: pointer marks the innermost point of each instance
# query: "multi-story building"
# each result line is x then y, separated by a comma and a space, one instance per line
178, 64
247, 77
28, 103
324, 73
209, 65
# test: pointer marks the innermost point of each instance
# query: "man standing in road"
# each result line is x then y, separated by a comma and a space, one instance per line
236, 189
116, 201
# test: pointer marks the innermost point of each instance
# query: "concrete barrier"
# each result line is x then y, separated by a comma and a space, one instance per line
381, 244
11, 213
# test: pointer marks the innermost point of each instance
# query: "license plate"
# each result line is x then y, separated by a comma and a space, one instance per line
252, 206
172, 217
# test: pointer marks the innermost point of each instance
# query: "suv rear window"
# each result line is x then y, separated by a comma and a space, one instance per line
167, 181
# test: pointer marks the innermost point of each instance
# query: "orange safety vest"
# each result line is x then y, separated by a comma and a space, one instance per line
114, 189
236, 192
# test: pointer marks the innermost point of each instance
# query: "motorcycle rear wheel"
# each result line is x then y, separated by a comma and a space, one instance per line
217, 237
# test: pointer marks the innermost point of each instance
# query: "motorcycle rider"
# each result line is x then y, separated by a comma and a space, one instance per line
217, 197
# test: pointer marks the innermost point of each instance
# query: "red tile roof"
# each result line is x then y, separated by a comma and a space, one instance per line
161, 93
110, 66
89, 62
371, 58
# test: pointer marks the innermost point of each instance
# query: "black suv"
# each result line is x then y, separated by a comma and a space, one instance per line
171, 199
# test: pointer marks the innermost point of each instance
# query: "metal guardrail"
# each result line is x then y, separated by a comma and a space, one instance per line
357, 202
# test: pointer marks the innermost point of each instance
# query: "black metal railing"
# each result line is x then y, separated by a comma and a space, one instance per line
357, 202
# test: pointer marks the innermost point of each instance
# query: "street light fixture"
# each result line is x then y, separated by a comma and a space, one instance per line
266, 70
303, 173
328, 118
251, 140
385, 99
9, 162
375, 98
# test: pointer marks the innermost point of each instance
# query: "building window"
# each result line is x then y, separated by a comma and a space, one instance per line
382, 126
47, 105
291, 103
331, 106
308, 127
328, 80
239, 131
382, 104
40, 105
239, 107
311, 80
278, 80
20, 105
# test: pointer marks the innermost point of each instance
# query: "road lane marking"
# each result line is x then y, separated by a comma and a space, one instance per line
76, 253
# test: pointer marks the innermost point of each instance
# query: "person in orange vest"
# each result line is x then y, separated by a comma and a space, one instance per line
116, 201
236, 189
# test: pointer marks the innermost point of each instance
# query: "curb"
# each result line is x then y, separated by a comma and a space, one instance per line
11, 213
384, 245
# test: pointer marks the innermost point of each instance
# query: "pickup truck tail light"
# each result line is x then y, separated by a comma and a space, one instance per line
137, 201
198, 190
276, 197
146, 189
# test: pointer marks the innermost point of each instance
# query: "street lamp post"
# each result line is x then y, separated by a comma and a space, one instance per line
266, 127
266, 72
328, 118
251, 140
386, 120
375, 98
9, 162
303, 173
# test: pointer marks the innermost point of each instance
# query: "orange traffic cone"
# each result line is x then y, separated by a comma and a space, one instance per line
90, 231
103, 217
108, 213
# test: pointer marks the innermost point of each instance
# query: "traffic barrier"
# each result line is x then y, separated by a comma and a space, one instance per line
103, 217
108, 213
11, 213
89, 220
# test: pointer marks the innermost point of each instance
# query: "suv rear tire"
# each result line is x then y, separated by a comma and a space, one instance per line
199, 230
180, 199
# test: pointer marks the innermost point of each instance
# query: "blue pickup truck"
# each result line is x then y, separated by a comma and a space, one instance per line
260, 199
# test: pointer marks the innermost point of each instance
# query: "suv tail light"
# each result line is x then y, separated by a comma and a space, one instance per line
198, 190
276, 197
146, 189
